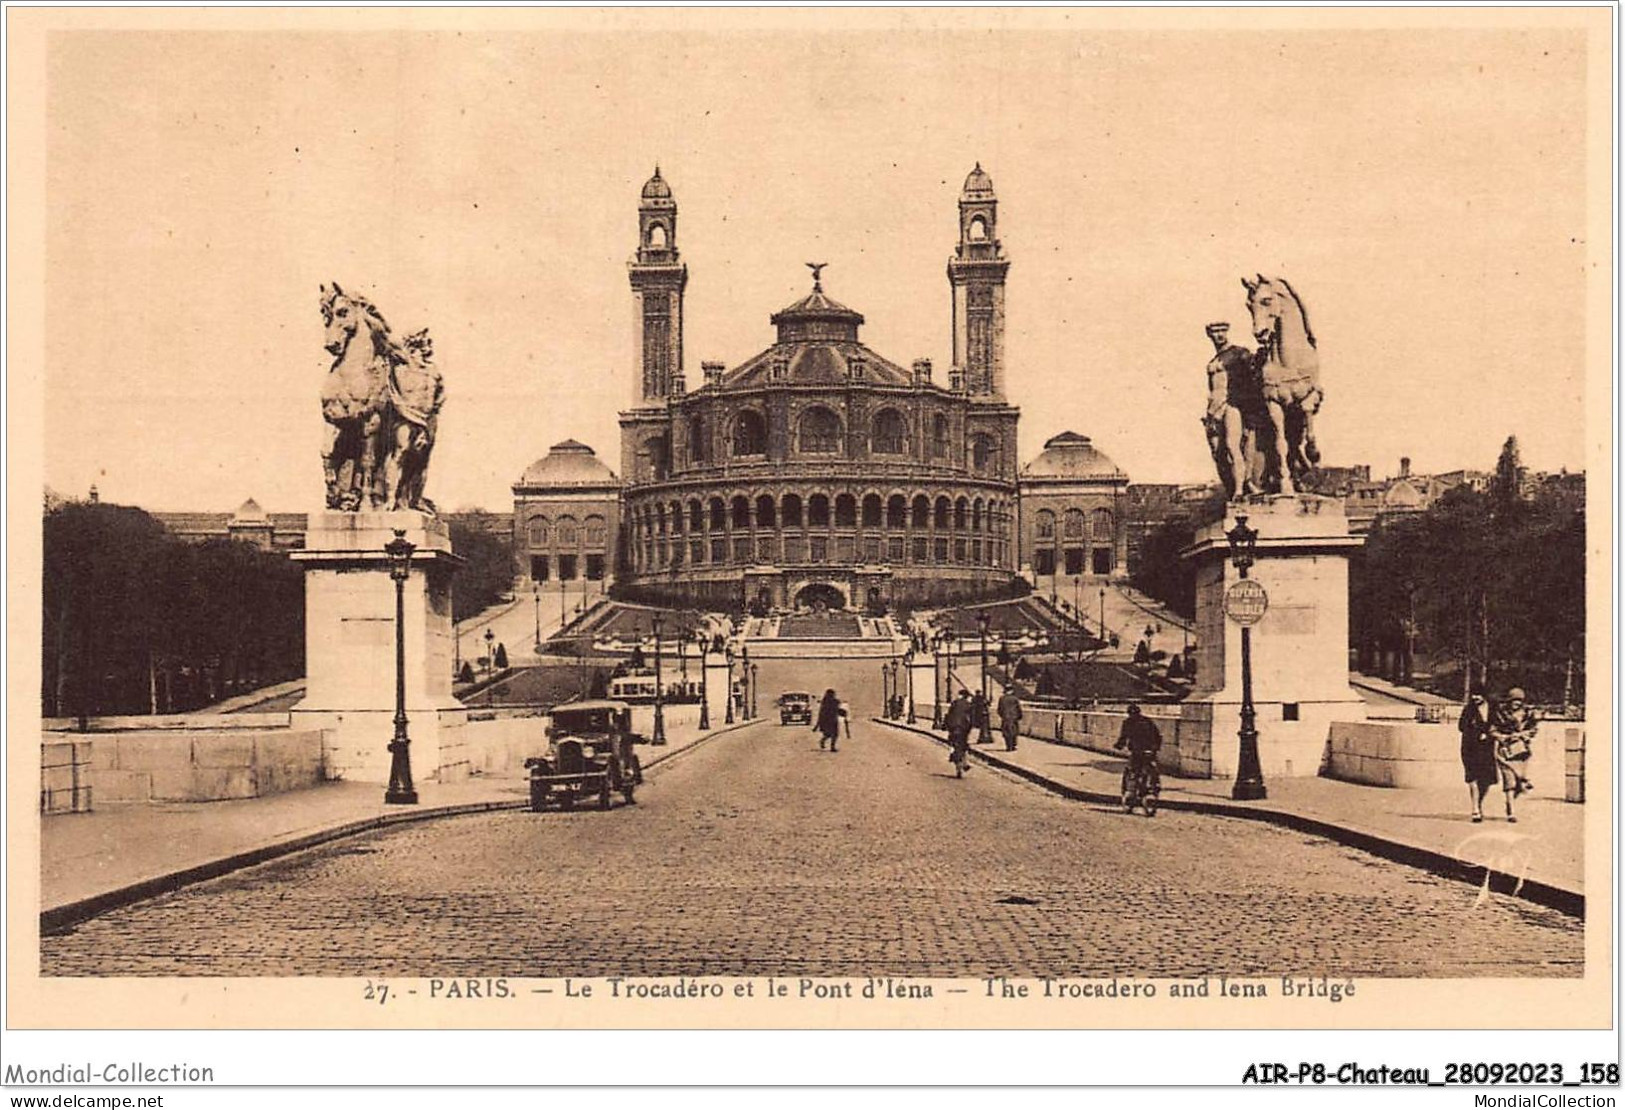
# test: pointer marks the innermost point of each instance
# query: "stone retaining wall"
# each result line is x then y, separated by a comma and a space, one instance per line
1413, 754
171, 765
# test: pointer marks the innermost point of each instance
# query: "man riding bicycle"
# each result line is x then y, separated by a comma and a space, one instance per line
1143, 741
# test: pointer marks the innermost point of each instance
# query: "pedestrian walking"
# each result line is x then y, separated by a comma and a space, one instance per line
961, 718
981, 719
1010, 718
1478, 763
828, 724
1512, 725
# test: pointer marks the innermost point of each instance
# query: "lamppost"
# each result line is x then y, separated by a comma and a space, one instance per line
536, 595
938, 653
400, 791
981, 625
659, 736
490, 665
1102, 613
1077, 596
908, 666
754, 686
885, 690
728, 688
705, 687
561, 602
1249, 775
457, 649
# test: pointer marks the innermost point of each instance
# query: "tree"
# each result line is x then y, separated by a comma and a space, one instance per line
1160, 573
486, 573
1506, 488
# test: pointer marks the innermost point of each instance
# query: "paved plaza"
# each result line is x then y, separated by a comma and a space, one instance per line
755, 853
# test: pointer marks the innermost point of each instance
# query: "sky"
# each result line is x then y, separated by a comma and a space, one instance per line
1424, 191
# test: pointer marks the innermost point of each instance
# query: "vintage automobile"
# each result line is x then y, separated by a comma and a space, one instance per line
795, 707
591, 753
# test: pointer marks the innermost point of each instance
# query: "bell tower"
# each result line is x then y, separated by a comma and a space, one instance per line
658, 279
976, 275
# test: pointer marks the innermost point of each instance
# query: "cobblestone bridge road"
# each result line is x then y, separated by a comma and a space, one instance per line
756, 853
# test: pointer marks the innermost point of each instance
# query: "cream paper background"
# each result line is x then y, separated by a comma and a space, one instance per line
93, 364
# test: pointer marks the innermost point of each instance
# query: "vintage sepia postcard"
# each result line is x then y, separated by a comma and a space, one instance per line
860, 519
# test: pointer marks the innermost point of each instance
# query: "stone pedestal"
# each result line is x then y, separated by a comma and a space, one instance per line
350, 645
1300, 647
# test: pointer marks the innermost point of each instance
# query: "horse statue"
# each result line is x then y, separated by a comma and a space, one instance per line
381, 400
1289, 371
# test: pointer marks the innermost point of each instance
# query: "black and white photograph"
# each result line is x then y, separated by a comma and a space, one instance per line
822, 519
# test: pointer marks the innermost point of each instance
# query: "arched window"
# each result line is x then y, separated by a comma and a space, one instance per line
896, 511
983, 453
939, 438
741, 512
790, 510
871, 510
1044, 524
719, 514
846, 510
660, 519
656, 458
961, 510
1102, 525
537, 531
696, 439
889, 433
818, 511
597, 532
976, 518
568, 536
696, 517
944, 511
820, 432
978, 229
922, 511
657, 237
675, 512
1074, 524
750, 434
764, 511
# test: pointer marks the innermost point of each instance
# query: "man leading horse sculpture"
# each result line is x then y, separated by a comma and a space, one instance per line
381, 400
1260, 418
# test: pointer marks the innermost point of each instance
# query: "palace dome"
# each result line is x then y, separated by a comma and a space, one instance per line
1071, 456
656, 188
818, 345
568, 464
978, 185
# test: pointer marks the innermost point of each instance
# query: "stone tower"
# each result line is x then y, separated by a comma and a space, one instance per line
976, 274
658, 279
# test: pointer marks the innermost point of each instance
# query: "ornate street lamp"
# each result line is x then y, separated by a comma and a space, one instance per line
490, 665
755, 685
908, 666
885, 690
1102, 613
561, 601
728, 688
705, 686
982, 621
938, 650
400, 791
1249, 775
895, 709
1077, 596
536, 596
659, 736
